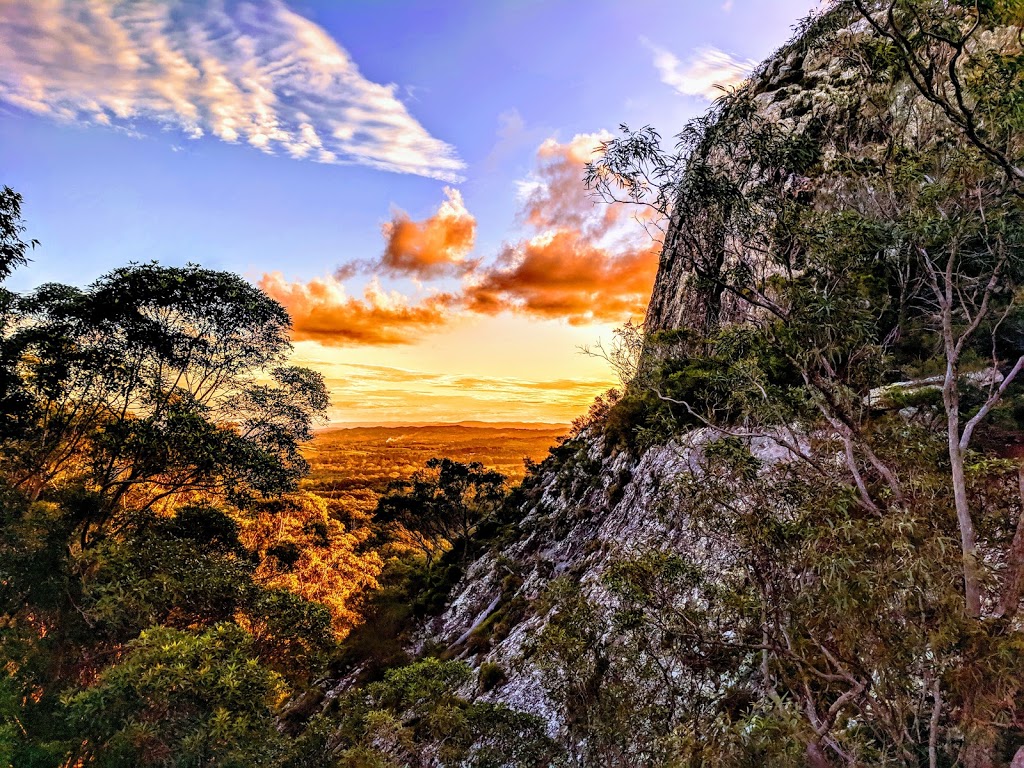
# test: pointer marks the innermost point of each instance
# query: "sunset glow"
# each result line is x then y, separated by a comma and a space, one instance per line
406, 179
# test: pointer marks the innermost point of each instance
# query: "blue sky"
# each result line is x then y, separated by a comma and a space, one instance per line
451, 125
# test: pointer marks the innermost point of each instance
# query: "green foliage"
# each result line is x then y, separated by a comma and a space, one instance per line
597, 413
179, 698
139, 416
442, 504
738, 374
145, 379
13, 249
613, 716
416, 712
181, 571
191, 571
491, 675
409, 590
629, 416
501, 621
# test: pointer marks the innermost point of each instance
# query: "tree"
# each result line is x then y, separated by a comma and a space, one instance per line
443, 503
13, 254
152, 383
305, 550
140, 418
951, 217
181, 698
13, 249
827, 246
975, 86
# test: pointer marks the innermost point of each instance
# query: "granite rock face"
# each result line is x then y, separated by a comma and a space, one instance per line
593, 506
586, 513
817, 91
810, 89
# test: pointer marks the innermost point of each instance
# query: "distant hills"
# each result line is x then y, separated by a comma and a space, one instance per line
535, 425
353, 463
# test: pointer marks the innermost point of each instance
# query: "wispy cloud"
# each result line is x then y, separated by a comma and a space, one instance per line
253, 72
704, 74
365, 393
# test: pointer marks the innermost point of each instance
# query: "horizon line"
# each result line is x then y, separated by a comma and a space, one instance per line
471, 423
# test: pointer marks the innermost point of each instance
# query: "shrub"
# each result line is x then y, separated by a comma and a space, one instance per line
491, 675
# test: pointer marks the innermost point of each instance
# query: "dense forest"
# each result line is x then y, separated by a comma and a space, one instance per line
169, 593
834, 349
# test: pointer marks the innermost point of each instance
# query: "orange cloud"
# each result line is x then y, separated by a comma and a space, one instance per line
435, 247
586, 263
563, 275
554, 196
322, 311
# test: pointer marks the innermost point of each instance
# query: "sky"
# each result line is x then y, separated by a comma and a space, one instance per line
404, 177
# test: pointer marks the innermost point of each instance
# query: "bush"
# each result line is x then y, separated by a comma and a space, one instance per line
201, 698
491, 675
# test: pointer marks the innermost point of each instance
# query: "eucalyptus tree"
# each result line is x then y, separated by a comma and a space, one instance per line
151, 383
442, 503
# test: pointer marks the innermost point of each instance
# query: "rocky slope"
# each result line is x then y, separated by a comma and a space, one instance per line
591, 505
586, 510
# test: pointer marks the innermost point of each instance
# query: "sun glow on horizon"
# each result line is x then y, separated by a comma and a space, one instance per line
502, 368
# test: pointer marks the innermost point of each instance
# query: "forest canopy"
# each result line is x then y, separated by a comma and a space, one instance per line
170, 594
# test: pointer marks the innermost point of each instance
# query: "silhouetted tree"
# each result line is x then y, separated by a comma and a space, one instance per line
443, 503
152, 382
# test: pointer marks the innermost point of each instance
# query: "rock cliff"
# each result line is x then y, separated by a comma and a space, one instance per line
584, 511
807, 114
589, 505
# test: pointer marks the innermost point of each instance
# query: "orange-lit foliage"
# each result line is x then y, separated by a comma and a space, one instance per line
304, 549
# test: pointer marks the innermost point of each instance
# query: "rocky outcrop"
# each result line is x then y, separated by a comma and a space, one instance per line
589, 507
822, 93
587, 510
809, 90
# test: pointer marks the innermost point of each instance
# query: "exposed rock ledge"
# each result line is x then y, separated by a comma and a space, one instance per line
590, 512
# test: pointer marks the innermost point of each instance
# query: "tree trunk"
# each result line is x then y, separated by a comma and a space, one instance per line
968, 538
969, 541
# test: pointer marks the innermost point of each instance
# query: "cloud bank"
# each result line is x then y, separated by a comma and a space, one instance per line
322, 311
705, 74
580, 262
243, 71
